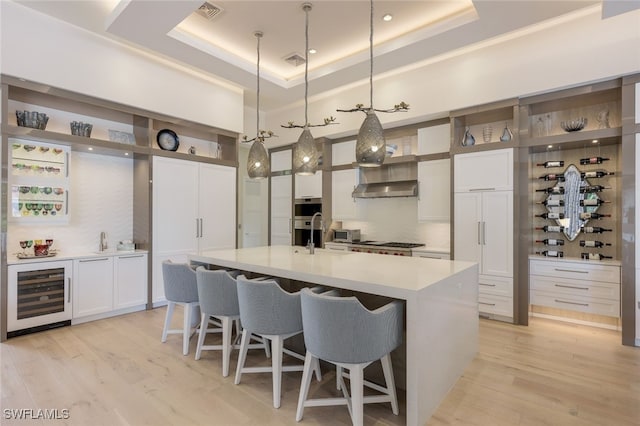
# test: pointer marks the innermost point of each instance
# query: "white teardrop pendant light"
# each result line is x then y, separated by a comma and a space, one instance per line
305, 153
258, 160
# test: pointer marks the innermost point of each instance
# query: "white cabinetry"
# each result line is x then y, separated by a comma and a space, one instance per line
194, 209
434, 197
92, 286
343, 204
434, 139
281, 160
483, 225
343, 153
309, 186
130, 280
592, 288
430, 254
281, 210
336, 246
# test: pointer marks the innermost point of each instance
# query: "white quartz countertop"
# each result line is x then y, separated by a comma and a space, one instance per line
394, 276
12, 259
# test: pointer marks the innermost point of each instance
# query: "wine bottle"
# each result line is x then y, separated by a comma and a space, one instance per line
596, 244
593, 188
552, 190
593, 202
596, 174
589, 215
594, 256
551, 253
551, 228
551, 215
553, 176
594, 230
551, 242
593, 160
552, 203
548, 164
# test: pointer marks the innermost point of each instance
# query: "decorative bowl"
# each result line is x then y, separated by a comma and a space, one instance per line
391, 149
573, 125
32, 119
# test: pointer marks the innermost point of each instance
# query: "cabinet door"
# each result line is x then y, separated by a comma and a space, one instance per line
434, 200
467, 227
281, 206
309, 186
92, 286
497, 233
175, 206
281, 160
484, 171
343, 153
130, 283
217, 207
434, 139
343, 205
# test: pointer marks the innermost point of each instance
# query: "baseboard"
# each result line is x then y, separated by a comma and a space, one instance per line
109, 314
577, 321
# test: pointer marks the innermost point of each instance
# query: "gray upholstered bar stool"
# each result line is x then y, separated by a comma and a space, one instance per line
218, 296
270, 312
180, 288
343, 332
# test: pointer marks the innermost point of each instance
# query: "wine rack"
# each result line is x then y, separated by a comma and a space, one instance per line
574, 203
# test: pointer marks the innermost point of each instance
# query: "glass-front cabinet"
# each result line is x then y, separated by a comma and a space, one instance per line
39, 182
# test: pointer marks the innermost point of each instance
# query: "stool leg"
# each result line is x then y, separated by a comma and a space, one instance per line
226, 344
242, 356
203, 332
167, 320
304, 385
186, 330
387, 369
357, 395
338, 376
276, 368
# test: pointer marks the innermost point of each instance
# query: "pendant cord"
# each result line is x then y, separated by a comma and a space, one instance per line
371, 57
258, 36
306, 63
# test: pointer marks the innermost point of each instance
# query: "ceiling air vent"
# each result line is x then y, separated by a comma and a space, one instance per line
209, 10
294, 59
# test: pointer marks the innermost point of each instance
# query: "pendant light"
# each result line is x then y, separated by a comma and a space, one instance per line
258, 160
305, 153
371, 147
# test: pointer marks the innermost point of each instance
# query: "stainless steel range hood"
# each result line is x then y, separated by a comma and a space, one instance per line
392, 179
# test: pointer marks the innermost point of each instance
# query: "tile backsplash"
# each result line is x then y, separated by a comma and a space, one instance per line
396, 219
100, 199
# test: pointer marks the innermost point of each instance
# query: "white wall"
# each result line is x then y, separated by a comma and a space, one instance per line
40, 48
566, 54
100, 199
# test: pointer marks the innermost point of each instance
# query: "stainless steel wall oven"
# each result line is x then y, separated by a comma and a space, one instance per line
304, 209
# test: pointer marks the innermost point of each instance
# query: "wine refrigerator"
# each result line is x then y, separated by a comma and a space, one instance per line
39, 296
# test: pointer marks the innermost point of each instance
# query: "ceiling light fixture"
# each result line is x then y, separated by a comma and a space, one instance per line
387, 17
371, 145
258, 161
305, 153
313, 51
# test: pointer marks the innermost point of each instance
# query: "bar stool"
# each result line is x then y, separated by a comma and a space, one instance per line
218, 296
180, 288
343, 332
270, 312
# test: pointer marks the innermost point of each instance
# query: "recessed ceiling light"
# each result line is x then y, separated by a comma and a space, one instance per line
312, 51
549, 146
387, 17
126, 153
594, 141
90, 149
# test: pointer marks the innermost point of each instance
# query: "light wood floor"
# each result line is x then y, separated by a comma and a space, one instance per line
116, 372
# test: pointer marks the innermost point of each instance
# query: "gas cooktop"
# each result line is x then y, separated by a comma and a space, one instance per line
391, 244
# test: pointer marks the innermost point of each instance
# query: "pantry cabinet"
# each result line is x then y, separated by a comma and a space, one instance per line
281, 208
194, 210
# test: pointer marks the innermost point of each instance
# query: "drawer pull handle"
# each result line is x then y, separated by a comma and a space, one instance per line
481, 189
488, 304
572, 286
571, 270
488, 285
102, 259
571, 303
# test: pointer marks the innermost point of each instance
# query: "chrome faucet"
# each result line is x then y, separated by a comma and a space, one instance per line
311, 245
103, 241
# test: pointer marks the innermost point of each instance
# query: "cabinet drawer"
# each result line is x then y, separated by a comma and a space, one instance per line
499, 286
567, 287
430, 254
589, 305
497, 305
575, 270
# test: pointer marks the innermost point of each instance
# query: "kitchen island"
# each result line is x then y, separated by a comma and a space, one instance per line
441, 305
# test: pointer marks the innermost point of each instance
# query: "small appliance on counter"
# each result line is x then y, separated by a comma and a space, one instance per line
346, 235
